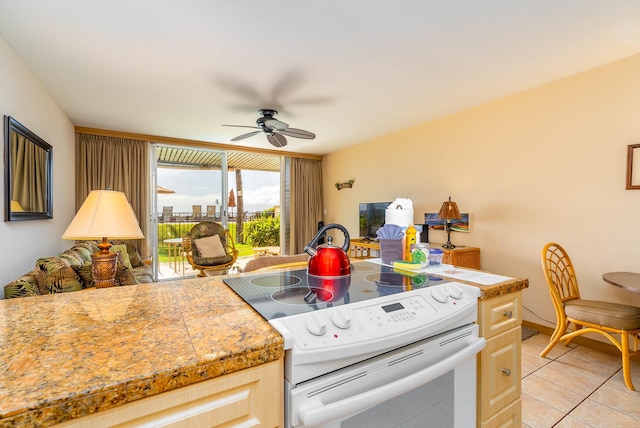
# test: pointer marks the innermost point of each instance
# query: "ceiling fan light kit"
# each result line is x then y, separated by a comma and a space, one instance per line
275, 129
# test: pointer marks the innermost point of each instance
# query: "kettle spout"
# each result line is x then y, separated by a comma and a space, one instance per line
310, 250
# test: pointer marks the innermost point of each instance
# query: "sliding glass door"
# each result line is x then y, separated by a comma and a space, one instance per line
190, 185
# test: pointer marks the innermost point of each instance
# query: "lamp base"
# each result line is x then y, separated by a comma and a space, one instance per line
448, 245
103, 268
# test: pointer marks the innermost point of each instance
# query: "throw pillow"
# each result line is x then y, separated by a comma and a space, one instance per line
86, 274
123, 256
210, 247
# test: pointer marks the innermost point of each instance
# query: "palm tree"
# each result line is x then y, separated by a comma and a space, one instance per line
240, 208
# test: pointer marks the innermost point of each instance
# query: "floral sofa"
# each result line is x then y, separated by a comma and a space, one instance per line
71, 271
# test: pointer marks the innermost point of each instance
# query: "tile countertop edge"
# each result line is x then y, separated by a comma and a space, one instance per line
75, 404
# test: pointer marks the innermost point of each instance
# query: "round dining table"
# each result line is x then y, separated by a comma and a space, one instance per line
630, 281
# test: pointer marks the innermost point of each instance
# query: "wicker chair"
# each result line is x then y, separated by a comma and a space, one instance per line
197, 254
588, 316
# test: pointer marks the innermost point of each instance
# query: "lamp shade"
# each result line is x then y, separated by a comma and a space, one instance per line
449, 210
104, 214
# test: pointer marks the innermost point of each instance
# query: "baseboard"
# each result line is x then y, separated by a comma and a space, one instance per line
580, 340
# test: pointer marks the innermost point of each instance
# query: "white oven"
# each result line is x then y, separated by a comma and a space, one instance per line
383, 349
428, 384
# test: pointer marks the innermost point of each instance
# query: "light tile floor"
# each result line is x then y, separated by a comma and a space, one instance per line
576, 387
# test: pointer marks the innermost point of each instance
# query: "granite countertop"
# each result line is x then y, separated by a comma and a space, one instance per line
69, 355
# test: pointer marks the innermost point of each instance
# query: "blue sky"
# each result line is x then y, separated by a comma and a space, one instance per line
202, 187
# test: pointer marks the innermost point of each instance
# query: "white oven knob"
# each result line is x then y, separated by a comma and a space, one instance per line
340, 319
316, 326
440, 295
454, 291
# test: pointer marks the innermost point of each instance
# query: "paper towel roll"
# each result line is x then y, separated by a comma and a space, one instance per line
402, 218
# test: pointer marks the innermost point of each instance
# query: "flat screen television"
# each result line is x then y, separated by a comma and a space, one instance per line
372, 218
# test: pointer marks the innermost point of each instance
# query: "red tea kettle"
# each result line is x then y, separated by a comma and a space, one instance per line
328, 259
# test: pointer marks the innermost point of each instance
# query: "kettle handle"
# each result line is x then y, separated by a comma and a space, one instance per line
310, 248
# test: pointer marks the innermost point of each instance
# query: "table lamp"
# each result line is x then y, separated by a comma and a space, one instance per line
104, 214
448, 212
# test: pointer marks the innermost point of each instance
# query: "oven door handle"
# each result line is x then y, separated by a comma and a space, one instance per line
314, 412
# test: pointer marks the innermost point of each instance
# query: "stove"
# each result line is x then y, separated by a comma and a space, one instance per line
371, 341
281, 294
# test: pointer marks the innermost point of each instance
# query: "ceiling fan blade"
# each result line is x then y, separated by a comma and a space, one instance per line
275, 124
247, 135
243, 126
297, 133
277, 140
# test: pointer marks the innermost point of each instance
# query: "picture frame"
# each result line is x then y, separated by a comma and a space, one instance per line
633, 175
460, 225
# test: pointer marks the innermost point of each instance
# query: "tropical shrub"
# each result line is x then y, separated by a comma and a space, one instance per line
263, 231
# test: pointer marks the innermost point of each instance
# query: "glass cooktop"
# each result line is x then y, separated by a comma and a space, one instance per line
280, 294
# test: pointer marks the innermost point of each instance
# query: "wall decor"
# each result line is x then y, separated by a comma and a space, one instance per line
345, 185
28, 174
434, 223
633, 158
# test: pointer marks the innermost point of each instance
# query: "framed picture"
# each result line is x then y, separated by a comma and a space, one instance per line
633, 158
434, 223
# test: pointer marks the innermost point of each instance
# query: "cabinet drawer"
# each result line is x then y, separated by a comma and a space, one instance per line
500, 314
509, 417
499, 373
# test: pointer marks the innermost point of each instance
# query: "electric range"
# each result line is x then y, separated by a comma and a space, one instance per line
281, 294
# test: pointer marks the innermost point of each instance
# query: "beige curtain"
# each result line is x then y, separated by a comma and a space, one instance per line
29, 174
306, 202
115, 164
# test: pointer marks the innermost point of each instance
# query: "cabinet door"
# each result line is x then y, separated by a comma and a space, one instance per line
250, 397
509, 417
500, 314
499, 373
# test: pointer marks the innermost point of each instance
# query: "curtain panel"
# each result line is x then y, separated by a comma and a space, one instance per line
115, 164
306, 202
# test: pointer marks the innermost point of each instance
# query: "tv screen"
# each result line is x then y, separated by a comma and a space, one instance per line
372, 218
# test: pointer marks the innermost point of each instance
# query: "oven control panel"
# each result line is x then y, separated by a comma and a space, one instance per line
417, 313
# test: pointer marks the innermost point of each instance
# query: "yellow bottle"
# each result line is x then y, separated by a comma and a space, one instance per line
409, 240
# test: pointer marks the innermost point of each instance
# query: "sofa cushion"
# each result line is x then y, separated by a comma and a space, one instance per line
134, 256
85, 274
73, 256
124, 276
24, 286
123, 255
55, 275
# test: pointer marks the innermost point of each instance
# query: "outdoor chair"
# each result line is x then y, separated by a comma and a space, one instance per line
210, 247
167, 214
196, 212
588, 316
211, 212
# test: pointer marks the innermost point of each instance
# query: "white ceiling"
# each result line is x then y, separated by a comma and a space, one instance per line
348, 70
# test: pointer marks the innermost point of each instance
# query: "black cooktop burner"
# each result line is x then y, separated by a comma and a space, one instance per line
276, 295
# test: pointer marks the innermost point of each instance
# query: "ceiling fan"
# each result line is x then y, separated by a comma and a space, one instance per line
275, 129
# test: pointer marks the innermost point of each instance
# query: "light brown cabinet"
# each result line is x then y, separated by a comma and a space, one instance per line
250, 397
499, 364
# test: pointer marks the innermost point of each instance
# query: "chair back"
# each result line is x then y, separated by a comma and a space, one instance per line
167, 211
559, 273
211, 211
196, 210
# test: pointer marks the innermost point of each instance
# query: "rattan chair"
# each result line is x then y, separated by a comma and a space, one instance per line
588, 316
212, 264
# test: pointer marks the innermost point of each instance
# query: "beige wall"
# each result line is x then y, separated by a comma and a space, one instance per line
544, 165
24, 98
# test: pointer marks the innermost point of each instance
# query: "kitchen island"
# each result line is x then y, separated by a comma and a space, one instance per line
69, 355
91, 353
